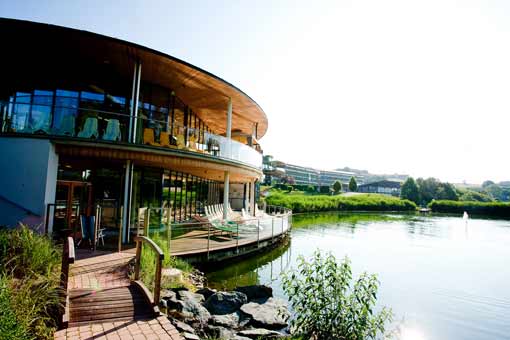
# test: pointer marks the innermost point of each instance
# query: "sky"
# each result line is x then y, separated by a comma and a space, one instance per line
414, 87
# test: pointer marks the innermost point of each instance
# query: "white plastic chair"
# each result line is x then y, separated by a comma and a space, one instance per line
89, 128
112, 130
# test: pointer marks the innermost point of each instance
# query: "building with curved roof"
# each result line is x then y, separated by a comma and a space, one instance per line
89, 121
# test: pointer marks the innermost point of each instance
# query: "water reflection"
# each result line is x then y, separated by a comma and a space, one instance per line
445, 278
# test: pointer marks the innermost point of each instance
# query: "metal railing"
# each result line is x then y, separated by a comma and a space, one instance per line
206, 236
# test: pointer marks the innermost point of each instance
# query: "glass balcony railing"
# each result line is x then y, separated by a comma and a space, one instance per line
89, 123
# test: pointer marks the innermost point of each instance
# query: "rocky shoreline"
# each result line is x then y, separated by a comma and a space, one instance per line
249, 312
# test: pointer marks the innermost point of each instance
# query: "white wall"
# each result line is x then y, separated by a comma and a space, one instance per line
28, 179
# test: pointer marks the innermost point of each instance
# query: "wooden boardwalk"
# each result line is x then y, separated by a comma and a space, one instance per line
205, 238
105, 304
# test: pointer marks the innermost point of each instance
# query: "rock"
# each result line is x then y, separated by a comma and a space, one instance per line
166, 293
206, 292
190, 336
186, 296
256, 292
189, 306
171, 274
220, 332
183, 327
226, 320
273, 314
260, 333
225, 302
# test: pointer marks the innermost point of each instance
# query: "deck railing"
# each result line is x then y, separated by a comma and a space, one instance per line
160, 256
68, 257
207, 236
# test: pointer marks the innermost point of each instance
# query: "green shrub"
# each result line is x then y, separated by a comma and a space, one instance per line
327, 303
29, 279
318, 203
337, 187
474, 208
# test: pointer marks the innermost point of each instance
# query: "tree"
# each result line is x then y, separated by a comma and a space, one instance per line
337, 187
410, 191
487, 183
330, 304
353, 185
446, 191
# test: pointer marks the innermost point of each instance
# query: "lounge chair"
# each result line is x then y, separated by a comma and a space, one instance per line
89, 128
148, 137
67, 126
112, 130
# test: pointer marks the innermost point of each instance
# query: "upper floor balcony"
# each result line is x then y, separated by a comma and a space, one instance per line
67, 84
60, 116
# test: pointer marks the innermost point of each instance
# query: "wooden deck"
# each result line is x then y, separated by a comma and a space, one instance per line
204, 239
104, 303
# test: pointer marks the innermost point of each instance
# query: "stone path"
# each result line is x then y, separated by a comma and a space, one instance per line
93, 276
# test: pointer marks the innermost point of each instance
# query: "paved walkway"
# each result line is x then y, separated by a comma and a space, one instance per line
93, 276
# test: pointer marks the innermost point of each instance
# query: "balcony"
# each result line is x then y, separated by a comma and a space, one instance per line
63, 118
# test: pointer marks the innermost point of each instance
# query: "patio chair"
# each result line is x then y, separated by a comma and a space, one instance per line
148, 137
89, 128
87, 224
164, 139
112, 130
66, 126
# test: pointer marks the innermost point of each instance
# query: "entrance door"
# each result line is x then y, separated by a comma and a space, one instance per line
72, 199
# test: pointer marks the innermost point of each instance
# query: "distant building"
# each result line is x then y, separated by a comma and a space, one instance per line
381, 187
278, 172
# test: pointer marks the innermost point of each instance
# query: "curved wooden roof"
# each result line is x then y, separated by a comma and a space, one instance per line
204, 92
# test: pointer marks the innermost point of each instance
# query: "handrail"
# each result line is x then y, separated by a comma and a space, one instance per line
159, 261
68, 257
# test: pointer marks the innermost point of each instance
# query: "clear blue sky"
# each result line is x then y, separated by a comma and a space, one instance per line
418, 87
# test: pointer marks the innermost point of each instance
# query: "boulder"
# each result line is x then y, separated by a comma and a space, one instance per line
256, 292
272, 314
226, 320
190, 336
182, 327
189, 306
260, 333
186, 296
206, 292
219, 332
225, 302
171, 274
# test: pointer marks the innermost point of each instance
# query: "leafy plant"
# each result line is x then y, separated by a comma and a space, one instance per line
353, 185
410, 191
327, 303
319, 203
30, 302
337, 187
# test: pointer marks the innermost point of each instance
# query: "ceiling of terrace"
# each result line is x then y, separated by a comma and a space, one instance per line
207, 95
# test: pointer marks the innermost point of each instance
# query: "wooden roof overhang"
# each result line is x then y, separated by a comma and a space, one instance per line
200, 165
205, 93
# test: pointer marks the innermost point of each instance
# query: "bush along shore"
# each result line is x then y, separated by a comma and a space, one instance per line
361, 202
30, 299
473, 208
249, 312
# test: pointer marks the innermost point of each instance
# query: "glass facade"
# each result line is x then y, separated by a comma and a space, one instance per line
163, 120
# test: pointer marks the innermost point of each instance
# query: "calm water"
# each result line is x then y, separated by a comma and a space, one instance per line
442, 278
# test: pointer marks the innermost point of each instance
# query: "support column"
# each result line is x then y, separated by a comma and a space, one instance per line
126, 212
252, 197
135, 94
225, 194
228, 133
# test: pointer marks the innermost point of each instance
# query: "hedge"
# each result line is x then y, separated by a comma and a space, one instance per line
318, 203
475, 208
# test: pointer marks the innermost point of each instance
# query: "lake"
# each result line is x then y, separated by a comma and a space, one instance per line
443, 278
